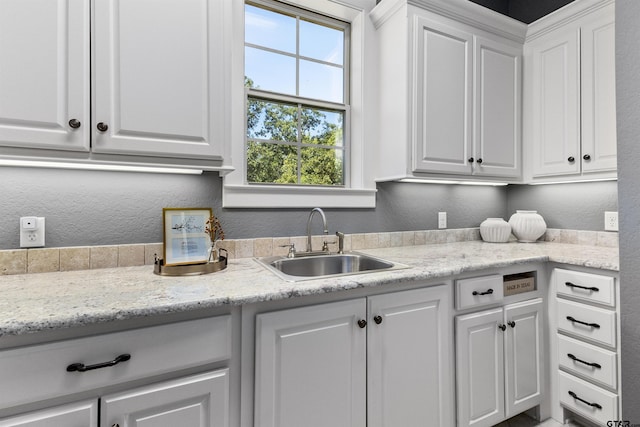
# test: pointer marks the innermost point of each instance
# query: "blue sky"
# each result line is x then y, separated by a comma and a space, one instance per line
276, 71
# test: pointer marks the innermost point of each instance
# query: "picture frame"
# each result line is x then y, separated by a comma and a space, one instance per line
185, 240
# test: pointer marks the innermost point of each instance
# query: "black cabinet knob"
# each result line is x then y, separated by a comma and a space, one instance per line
511, 323
377, 319
571, 159
74, 123
502, 327
102, 127
471, 159
586, 157
362, 323
479, 161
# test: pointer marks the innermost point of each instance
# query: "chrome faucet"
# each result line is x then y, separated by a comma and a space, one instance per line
324, 225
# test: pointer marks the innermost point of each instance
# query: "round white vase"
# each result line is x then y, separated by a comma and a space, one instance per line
495, 230
527, 226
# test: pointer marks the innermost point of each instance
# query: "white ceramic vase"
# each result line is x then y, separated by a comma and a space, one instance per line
527, 226
495, 230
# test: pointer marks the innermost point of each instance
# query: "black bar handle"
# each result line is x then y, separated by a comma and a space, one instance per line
487, 292
588, 288
592, 364
81, 367
591, 325
575, 396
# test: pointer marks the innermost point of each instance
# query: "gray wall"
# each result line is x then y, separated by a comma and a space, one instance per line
628, 111
577, 206
101, 208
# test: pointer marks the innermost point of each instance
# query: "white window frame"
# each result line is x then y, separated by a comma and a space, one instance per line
359, 190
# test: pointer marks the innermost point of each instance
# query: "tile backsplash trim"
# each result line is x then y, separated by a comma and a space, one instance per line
43, 260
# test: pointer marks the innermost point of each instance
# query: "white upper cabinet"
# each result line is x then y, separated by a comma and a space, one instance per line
450, 93
157, 78
442, 71
599, 139
570, 103
497, 127
122, 78
44, 77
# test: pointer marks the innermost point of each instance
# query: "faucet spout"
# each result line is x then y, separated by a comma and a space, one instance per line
324, 226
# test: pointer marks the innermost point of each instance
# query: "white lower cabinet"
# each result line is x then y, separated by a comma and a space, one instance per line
380, 361
499, 362
587, 377
81, 414
196, 401
90, 367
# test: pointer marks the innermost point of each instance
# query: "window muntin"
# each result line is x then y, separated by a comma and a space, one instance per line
296, 100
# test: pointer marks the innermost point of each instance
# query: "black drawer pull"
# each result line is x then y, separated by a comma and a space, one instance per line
591, 325
487, 292
575, 396
81, 367
592, 364
588, 288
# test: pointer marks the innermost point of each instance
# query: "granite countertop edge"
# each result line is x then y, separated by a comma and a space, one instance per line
43, 302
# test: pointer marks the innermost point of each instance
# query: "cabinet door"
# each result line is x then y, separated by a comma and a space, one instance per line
409, 375
556, 104
44, 63
480, 368
83, 414
442, 99
158, 77
599, 141
311, 366
197, 401
523, 360
497, 108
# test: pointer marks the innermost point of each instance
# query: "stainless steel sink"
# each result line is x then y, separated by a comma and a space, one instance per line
316, 266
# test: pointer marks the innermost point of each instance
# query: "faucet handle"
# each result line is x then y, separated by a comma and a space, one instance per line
292, 250
325, 245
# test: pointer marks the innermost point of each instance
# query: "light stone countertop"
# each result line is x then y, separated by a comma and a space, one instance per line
42, 302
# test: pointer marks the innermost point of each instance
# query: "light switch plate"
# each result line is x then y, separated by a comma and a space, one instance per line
442, 220
31, 232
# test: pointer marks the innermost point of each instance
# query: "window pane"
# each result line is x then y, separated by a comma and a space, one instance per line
270, 120
270, 71
322, 127
322, 166
322, 43
271, 163
269, 29
319, 81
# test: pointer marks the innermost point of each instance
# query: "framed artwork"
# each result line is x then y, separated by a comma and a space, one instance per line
185, 238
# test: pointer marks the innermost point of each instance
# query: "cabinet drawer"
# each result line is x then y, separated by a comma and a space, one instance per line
593, 363
479, 291
586, 286
587, 399
39, 372
593, 323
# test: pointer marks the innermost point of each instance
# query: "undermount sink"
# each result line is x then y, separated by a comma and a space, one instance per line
316, 266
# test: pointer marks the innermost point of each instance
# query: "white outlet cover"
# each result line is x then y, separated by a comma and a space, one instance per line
611, 221
31, 232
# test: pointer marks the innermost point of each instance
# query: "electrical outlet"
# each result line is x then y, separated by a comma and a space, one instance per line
31, 232
442, 220
611, 221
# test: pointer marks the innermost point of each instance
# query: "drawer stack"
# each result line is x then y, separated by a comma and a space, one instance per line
587, 344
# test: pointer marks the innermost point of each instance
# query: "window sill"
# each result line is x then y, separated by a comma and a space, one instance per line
265, 196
